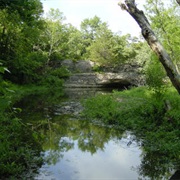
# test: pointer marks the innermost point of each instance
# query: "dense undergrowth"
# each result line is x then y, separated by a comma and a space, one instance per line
19, 149
153, 117
20, 146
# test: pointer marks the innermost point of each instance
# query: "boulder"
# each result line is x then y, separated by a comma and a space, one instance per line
69, 64
81, 66
84, 66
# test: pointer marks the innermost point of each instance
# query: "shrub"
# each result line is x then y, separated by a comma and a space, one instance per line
154, 121
60, 72
20, 151
155, 75
102, 107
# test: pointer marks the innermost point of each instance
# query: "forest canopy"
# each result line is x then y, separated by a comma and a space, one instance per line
33, 45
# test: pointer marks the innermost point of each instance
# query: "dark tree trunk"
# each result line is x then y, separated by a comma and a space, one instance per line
175, 176
178, 1
153, 42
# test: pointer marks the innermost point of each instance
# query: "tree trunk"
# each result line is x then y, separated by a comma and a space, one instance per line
178, 1
175, 176
153, 42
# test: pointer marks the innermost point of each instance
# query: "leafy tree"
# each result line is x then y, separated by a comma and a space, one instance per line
54, 36
60, 41
20, 27
155, 75
76, 46
100, 48
29, 12
124, 48
165, 22
89, 29
102, 45
143, 54
153, 41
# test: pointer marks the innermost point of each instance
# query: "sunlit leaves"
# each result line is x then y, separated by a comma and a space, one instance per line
103, 46
165, 20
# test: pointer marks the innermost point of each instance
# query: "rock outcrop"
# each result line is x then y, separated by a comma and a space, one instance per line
80, 66
83, 75
102, 80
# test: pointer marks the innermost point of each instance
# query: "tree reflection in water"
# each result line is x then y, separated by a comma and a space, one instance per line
59, 132
156, 164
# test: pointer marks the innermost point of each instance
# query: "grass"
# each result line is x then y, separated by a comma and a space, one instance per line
153, 118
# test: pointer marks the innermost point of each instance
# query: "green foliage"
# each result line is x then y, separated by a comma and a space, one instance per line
28, 10
143, 54
136, 105
54, 36
53, 82
89, 27
20, 28
154, 121
165, 21
100, 51
29, 68
76, 44
54, 78
30, 45
102, 107
59, 40
114, 108
124, 48
5, 90
103, 46
6, 94
172, 102
61, 72
155, 75
20, 151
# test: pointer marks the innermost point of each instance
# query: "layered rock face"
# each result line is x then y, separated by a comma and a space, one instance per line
83, 75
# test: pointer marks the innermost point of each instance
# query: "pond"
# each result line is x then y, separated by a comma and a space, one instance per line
74, 148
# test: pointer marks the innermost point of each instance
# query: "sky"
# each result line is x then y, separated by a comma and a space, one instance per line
108, 11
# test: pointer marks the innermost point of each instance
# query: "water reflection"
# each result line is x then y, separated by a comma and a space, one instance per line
79, 149
88, 150
115, 161
76, 148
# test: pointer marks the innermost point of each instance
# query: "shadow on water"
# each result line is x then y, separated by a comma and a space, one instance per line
75, 148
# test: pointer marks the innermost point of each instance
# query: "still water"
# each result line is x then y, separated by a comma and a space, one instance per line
75, 148
114, 161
